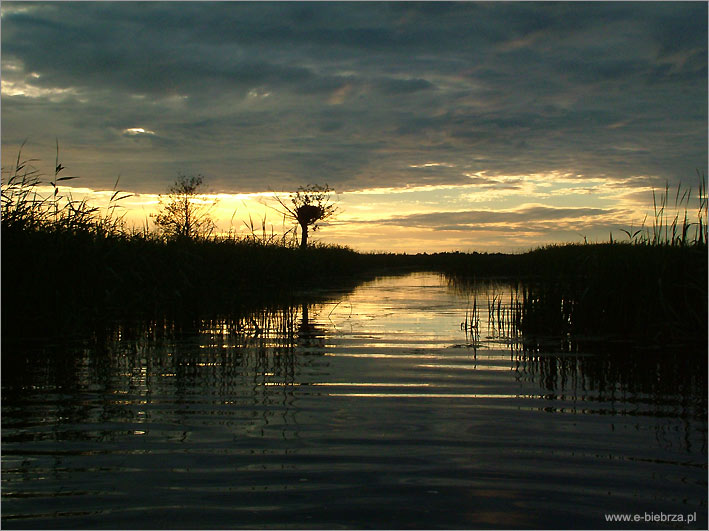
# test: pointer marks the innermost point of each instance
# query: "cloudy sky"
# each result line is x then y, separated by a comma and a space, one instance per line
441, 126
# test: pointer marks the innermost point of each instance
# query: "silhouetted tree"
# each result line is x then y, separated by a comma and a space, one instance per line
310, 204
184, 212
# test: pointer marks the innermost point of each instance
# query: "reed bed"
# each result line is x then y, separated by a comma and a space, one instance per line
55, 283
647, 294
649, 289
71, 268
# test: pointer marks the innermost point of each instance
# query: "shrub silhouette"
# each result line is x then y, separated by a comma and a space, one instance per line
184, 213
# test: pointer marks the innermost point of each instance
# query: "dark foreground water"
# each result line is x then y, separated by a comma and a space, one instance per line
374, 410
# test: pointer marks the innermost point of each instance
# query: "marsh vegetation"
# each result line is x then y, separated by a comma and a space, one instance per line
70, 267
285, 383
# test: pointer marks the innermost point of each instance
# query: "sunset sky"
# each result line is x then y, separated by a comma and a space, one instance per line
441, 126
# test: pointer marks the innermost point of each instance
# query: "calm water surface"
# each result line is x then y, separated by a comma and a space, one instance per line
374, 410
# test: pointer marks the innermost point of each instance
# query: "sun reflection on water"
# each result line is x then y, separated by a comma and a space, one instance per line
381, 400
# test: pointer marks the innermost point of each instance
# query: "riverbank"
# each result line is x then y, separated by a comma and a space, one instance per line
69, 268
652, 294
59, 282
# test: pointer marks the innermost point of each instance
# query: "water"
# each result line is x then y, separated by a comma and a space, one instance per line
372, 410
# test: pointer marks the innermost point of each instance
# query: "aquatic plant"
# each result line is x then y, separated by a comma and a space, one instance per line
654, 292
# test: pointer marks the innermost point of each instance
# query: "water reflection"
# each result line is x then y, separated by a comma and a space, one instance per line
129, 379
576, 365
372, 410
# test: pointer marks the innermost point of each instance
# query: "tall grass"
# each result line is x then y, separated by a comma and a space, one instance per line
68, 266
651, 288
25, 208
651, 292
673, 222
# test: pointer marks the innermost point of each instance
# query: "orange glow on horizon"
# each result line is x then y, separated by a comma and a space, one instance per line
414, 219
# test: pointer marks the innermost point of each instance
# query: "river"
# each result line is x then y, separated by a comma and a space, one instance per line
373, 408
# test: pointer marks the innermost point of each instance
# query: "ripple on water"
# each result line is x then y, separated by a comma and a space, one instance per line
382, 416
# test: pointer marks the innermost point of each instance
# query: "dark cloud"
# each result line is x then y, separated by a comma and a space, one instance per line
355, 93
510, 220
403, 86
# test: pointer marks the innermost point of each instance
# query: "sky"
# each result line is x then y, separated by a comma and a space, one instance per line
497, 126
